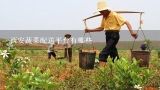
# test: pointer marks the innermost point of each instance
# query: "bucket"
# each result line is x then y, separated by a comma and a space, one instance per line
87, 59
143, 56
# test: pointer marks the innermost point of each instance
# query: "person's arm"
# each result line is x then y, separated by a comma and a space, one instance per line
99, 29
70, 43
130, 29
65, 42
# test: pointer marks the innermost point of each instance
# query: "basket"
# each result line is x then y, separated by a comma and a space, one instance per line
142, 56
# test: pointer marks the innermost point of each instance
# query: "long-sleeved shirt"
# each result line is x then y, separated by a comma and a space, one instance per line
67, 42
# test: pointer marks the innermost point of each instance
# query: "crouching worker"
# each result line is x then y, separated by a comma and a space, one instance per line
51, 51
68, 47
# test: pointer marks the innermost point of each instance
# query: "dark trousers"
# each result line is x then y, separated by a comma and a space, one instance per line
51, 54
110, 49
68, 51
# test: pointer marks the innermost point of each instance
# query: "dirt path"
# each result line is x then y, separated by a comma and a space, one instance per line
2, 82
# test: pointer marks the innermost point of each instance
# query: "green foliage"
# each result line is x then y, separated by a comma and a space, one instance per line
34, 80
148, 43
7, 44
22, 75
158, 53
153, 80
32, 52
18, 75
128, 74
80, 80
122, 75
105, 78
11, 63
18, 64
9, 51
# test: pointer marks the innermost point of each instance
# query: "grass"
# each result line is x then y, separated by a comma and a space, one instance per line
69, 74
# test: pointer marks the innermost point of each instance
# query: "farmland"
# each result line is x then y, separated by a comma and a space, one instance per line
60, 74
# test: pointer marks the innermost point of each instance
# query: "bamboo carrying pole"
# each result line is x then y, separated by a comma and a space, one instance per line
115, 11
131, 12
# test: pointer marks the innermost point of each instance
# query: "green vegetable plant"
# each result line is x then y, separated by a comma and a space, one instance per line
18, 76
7, 55
128, 74
104, 77
32, 80
122, 75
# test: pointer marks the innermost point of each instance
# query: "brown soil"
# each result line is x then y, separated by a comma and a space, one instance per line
2, 81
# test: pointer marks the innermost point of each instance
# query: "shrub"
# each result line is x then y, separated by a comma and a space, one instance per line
34, 80
104, 78
122, 75
129, 74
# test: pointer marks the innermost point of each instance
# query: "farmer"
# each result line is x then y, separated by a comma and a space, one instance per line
111, 25
68, 47
51, 51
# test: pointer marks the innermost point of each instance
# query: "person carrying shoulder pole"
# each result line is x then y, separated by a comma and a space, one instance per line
111, 25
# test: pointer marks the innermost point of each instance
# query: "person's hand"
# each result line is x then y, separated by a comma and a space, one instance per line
65, 45
84, 20
86, 30
134, 35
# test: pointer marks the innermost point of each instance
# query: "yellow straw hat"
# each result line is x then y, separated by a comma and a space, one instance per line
101, 6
